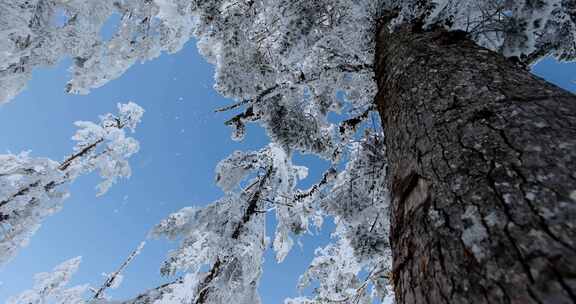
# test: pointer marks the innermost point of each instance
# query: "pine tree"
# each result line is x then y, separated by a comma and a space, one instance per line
481, 159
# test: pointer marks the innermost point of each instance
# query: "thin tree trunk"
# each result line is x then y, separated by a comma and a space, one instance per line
482, 173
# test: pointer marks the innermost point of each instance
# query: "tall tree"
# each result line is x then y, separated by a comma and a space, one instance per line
480, 191
481, 162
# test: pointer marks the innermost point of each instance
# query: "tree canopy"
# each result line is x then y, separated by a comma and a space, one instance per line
287, 65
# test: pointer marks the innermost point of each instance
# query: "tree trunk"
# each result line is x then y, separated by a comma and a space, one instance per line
482, 166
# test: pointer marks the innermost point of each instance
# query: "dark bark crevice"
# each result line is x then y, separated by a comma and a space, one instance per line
482, 156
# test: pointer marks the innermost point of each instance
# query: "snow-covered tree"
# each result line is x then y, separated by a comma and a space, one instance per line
32, 189
50, 287
474, 191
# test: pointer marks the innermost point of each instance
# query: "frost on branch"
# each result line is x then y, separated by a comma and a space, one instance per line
29, 193
359, 202
50, 287
105, 146
113, 280
232, 170
529, 30
359, 199
36, 33
340, 281
229, 235
31, 189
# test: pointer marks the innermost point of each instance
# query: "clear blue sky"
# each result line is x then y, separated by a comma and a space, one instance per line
181, 142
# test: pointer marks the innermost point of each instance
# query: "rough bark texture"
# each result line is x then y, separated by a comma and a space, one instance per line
483, 173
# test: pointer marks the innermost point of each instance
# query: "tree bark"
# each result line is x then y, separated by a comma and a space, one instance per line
482, 166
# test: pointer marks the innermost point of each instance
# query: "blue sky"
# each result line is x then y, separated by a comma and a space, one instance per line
182, 140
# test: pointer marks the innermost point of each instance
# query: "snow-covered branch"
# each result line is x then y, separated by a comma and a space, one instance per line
50, 287
114, 279
33, 188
